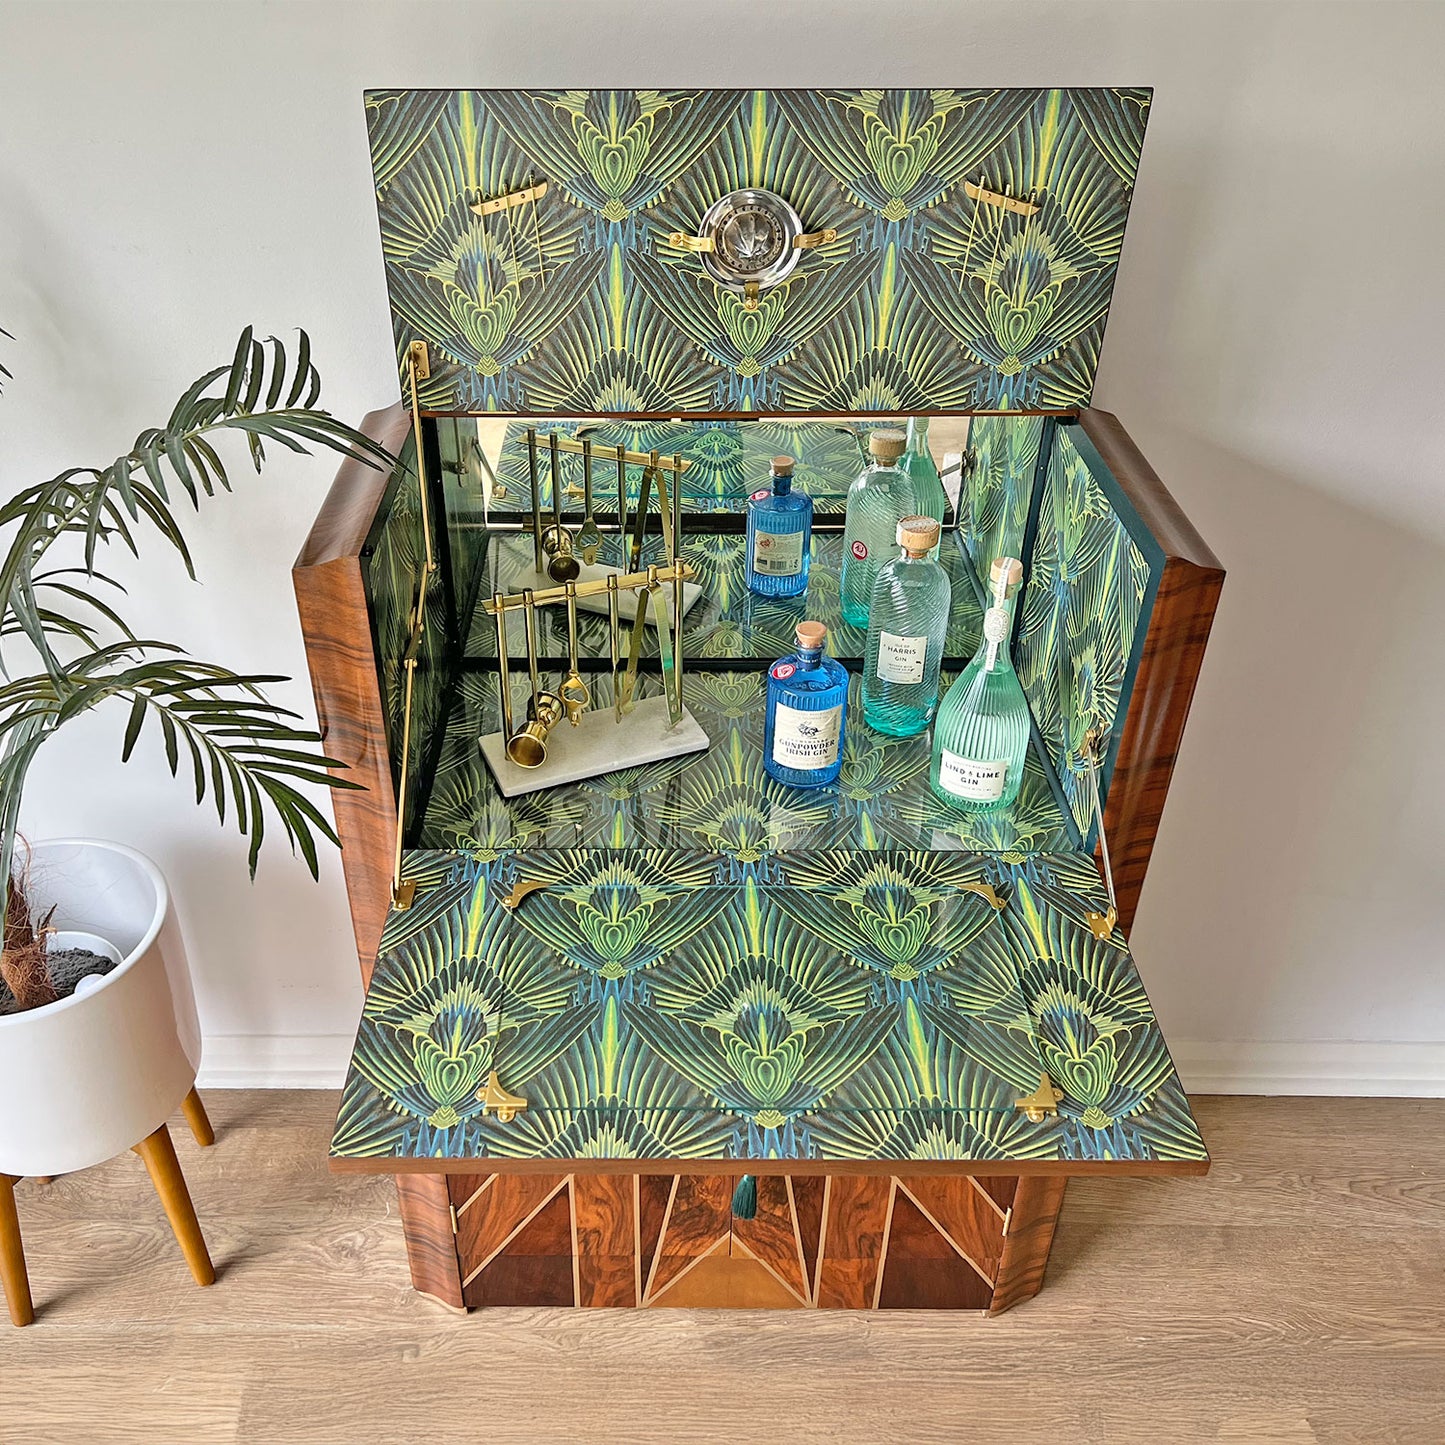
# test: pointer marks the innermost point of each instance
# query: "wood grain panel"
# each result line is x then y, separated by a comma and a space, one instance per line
998, 1187
772, 1237
698, 1216
431, 1247
963, 1215
654, 1193
807, 1195
492, 1217
1169, 667
724, 1281
1026, 1246
855, 1218
605, 1232
922, 1270
535, 1266
336, 628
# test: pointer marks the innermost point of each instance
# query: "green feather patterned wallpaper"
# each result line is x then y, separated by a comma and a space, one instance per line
1084, 614
858, 1006
926, 301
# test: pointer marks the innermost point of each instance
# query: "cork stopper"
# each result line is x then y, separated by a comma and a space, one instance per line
918, 534
811, 635
783, 466
1011, 565
887, 445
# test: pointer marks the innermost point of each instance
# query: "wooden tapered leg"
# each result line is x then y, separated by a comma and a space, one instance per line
200, 1123
165, 1172
12, 1257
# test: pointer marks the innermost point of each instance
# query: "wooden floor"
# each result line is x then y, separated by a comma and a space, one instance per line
1297, 1294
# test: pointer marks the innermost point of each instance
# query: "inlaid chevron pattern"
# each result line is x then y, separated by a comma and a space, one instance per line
624, 1241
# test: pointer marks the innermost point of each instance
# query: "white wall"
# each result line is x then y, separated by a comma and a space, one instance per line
169, 173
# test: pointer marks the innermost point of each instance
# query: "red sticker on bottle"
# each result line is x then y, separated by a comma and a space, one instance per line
860, 550
758, 496
783, 670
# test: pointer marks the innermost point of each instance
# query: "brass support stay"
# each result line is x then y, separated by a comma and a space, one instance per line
494, 1099
1101, 925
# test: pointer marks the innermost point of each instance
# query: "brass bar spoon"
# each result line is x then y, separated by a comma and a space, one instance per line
589, 539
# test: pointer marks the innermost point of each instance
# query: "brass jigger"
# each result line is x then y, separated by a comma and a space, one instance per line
573, 692
528, 748
562, 566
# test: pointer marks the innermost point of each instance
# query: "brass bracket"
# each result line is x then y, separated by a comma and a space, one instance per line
684, 242
403, 894
1101, 925
810, 239
986, 892
510, 200
519, 891
496, 1100
420, 358
1044, 1101
997, 198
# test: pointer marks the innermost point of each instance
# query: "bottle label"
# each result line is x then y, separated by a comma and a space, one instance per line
860, 550
901, 659
758, 496
995, 625
777, 554
806, 740
977, 782
783, 670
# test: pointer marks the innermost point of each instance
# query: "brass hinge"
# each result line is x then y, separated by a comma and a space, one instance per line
420, 359
1044, 1101
452, 1214
496, 1100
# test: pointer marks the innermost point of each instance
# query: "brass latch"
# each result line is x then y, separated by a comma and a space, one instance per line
496, 1100
1042, 1102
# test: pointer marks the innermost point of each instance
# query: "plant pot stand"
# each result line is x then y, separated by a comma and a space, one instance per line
159, 1155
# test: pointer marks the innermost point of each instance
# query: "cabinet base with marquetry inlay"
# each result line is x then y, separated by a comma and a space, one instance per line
929, 1241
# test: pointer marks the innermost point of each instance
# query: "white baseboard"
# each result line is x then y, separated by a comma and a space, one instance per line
318, 1061
274, 1061
1391, 1071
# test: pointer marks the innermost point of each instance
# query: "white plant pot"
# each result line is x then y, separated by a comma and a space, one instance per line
86, 1077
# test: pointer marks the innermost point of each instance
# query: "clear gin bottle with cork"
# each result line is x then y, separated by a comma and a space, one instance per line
907, 621
807, 697
780, 529
929, 497
981, 734
880, 499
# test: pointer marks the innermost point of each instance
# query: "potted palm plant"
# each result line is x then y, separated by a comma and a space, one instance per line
96, 1007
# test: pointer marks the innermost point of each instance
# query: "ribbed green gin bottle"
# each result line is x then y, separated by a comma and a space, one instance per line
981, 734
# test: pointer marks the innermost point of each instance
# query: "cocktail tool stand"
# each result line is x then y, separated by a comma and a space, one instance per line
535, 752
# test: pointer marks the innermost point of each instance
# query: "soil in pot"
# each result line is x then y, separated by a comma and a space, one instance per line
66, 966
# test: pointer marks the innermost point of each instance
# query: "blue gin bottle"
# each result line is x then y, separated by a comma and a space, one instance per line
780, 531
807, 696
907, 624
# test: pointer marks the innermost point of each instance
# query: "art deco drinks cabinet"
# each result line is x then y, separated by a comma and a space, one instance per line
644, 1026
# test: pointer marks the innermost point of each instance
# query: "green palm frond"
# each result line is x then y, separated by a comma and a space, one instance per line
245, 753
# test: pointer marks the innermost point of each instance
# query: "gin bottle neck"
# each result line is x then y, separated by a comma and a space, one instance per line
993, 652
782, 483
917, 433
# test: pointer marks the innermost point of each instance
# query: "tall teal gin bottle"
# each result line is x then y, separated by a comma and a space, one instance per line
981, 734
907, 621
807, 696
877, 502
929, 498
780, 530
